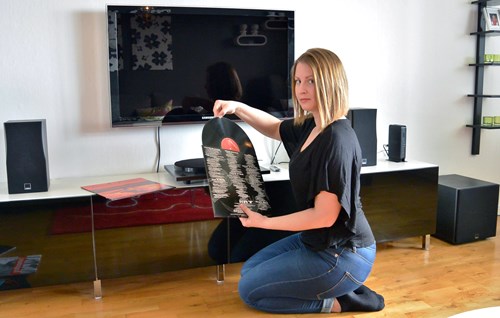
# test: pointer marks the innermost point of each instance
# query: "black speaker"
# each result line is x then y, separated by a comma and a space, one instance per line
467, 209
397, 143
364, 123
27, 156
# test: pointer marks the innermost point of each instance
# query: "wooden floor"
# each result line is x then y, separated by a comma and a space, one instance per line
443, 281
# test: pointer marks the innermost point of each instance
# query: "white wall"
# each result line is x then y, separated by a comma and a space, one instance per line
407, 58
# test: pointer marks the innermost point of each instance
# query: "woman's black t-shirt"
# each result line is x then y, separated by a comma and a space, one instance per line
332, 163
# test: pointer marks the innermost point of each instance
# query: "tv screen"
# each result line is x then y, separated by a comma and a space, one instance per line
169, 64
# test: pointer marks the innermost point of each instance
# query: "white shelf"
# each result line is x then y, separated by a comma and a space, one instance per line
71, 187
387, 166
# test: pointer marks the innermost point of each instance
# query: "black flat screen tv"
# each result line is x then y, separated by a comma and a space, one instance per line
167, 65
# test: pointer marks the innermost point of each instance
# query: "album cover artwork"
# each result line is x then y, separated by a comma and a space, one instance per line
19, 265
125, 188
233, 171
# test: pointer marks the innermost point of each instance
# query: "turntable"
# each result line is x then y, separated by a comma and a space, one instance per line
195, 166
193, 170
188, 170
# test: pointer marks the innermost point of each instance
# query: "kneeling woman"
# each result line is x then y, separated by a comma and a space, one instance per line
323, 266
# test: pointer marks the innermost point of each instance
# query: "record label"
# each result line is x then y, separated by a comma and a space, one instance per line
229, 144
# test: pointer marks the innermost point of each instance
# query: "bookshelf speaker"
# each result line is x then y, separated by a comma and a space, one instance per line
397, 143
27, 157
364, 123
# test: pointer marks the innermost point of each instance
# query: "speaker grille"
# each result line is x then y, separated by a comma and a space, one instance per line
364, 123
27, 159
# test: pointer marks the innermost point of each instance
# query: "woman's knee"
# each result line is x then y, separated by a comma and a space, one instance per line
244, 290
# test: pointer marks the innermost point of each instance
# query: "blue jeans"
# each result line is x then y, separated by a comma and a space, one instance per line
288, 277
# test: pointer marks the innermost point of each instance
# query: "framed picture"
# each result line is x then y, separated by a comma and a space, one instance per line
492, 18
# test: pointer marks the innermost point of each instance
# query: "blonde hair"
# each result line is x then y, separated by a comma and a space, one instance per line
331, 86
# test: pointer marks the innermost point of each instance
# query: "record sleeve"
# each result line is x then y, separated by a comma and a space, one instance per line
124, 189
233, 171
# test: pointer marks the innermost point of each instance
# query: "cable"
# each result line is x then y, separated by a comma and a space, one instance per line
386, 149
275, 152
158, 149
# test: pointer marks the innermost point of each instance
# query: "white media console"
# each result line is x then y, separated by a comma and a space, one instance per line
399, 198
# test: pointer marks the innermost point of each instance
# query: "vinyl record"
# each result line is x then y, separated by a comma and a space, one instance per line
233, 172
223, 133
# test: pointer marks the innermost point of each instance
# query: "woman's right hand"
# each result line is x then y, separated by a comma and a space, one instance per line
225, 107
253, 219
264, 122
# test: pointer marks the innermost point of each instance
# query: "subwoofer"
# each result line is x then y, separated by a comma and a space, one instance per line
467, 209
27, 156
364, 123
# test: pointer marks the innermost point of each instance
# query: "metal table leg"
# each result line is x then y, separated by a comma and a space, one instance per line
97, 281
220, 273
426, 241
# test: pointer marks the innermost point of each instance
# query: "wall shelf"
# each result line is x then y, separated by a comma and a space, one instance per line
486, 64
479, 67
488, 33
483, 126
484, 96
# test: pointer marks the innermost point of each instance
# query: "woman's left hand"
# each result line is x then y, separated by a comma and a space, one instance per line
253, 219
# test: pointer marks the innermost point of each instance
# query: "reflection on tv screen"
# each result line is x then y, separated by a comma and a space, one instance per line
170, 64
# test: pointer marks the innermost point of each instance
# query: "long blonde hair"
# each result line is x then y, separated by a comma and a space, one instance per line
331, 86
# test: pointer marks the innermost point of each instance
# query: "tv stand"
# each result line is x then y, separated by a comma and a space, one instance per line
399, 200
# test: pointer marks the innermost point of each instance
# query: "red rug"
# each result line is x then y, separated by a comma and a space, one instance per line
168, 206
